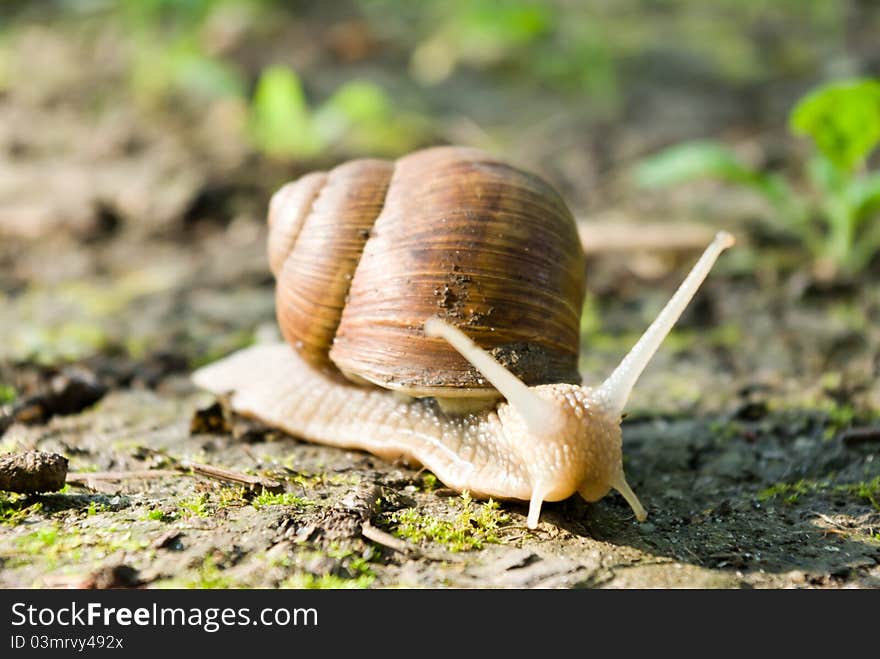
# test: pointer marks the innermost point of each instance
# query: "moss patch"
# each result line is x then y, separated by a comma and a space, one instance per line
208, 575
56, 546
281, 499
865, 491
196, 506
7, 394
471, 528
14, 508
350, 570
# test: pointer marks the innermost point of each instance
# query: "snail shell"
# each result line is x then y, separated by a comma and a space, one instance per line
362, 254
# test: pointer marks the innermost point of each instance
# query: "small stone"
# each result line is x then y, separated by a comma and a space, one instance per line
32, 471
170, 540
113, 576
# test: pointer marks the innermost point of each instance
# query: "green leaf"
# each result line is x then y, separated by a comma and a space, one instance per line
208, 77
359, 100
842, 118
824, 175
488, 23
866, 247
692, 160
362, 117
864, 194
706, 159
280, 123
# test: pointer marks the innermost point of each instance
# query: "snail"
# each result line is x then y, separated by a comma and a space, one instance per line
430, 309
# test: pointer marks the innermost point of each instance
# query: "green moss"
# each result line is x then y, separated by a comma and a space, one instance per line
429, 481
7, 394
790, 492
15, 508
52, 546
95, 508
868, 491
820, 405
209, 575
311, 481
281, 499
39, 541
230, 497
155, 515
355, 571
196, 506
471, 528
840, 417
865, 491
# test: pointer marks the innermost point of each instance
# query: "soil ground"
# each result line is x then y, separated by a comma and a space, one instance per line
133, 252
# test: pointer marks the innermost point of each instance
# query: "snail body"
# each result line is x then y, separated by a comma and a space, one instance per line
378, 266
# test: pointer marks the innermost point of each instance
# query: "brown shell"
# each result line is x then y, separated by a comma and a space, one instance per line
365, 253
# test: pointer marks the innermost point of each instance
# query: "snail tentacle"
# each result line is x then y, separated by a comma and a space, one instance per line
540, 415
620, 484
615, 391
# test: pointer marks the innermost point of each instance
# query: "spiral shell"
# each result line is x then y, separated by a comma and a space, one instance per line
364, 253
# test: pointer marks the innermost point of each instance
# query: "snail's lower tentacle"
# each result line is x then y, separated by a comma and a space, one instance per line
623, 487
535, 502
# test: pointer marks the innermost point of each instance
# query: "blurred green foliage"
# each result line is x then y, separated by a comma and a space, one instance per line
280, 122
587, 48
7, 393
304, 99
838, 218
843, 119
168, 55
171, 57
359, 114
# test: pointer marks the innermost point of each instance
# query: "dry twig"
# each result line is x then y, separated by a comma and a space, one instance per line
237, 477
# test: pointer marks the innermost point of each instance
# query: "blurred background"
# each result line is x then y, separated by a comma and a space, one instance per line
140, 142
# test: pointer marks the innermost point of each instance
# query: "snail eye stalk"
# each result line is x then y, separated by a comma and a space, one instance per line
615, 391
541, 415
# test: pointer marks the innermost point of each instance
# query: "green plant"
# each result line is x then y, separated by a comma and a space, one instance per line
867, 492
469, 529
195, 506
14, 508
358, 114
837, 219
7, 394
280, 123
168, 54
266, 498
429, 481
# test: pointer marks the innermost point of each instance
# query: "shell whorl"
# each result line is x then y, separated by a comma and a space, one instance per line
364, 253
